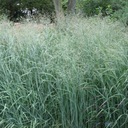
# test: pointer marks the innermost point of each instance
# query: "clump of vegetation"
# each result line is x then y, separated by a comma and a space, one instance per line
116, 9
122, 14
73, 77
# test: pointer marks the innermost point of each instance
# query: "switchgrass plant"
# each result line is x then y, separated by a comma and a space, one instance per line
75, 76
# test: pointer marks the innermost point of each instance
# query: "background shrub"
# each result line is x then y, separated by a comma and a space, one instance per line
115, 8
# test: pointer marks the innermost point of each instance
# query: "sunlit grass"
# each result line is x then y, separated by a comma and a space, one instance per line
75, 76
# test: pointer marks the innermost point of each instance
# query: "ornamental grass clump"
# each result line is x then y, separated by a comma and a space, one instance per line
75, 76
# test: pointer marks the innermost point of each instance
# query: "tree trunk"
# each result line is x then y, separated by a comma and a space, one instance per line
58, 10
71, 6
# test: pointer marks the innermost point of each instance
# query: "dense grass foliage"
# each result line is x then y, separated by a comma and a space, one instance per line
75, 76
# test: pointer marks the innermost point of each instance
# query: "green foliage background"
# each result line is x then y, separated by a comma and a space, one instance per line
117, 9
10, 7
